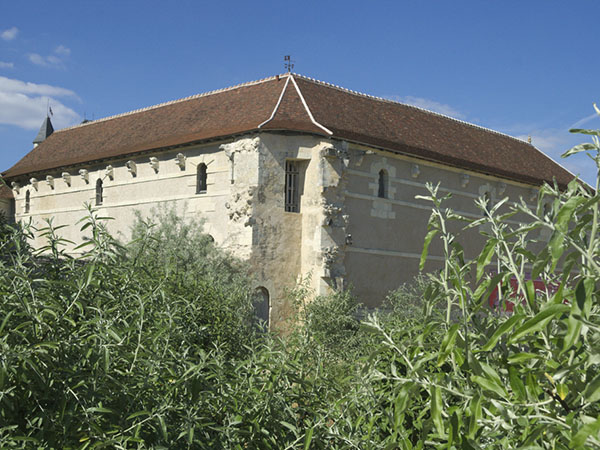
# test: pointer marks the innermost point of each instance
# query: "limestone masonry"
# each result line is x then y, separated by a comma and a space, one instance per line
303, 179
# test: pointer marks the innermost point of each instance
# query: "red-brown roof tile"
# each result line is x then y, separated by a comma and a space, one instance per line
413, 131
5, 191
348, 115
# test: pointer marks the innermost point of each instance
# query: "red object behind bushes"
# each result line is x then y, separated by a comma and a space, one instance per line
508, 305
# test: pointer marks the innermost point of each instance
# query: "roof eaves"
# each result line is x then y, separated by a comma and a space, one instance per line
458, 163
133, 152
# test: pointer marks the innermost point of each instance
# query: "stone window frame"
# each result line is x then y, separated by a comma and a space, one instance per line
382, 206
27, 207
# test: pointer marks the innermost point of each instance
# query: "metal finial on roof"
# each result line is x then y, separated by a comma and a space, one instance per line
529, 139
288, 64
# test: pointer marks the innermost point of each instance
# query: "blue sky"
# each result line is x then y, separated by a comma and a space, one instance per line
520, 67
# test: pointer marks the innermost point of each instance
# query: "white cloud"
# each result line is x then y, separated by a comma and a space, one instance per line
25, 104
62, 50
6, 65
37, 59
55, 60
48, 61
585, 120
18, 86
10, 34
428, 104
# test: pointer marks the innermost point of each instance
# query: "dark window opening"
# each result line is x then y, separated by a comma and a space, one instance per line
261, 305
99, 192
292, 183
201, 178
383, 182
27, 202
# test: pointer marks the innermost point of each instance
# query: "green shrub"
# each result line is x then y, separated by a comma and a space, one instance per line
176, 251
92, 347
408, 301
149, 345
529, 379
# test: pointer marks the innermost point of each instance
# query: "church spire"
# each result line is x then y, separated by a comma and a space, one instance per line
46, 130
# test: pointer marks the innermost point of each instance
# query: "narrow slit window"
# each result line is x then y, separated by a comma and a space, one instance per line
292, 194
383, 184
201, 178
99, 192
27, 202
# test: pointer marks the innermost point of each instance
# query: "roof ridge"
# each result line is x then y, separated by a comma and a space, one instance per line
307, 109
387, 100
277, 104
171, 102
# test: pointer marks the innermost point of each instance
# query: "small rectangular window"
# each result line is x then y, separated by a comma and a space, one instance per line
292, 193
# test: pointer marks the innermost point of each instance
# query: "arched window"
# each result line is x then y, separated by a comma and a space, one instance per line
27, 202
201, 178
383, 183
99, 192
261, 304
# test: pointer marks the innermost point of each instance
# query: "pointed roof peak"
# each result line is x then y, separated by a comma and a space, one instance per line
45, 130
290, 105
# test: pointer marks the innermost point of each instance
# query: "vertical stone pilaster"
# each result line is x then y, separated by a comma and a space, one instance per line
243, 156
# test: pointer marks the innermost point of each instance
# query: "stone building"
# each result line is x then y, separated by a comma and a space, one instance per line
302, 178
7, 202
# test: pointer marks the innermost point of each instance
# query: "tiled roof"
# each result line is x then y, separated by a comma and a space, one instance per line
5, 191
304, 105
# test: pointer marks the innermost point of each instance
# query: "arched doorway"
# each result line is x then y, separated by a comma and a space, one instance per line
262, 306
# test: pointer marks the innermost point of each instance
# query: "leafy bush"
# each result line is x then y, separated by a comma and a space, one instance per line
95, 350
529, 379
408, 301
176, 251
149, 345
331, 321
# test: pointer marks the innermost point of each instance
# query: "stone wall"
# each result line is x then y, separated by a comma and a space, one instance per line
344, 233
388, 233
139, 184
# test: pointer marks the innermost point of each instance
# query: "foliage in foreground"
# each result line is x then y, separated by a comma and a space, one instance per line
125, 348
